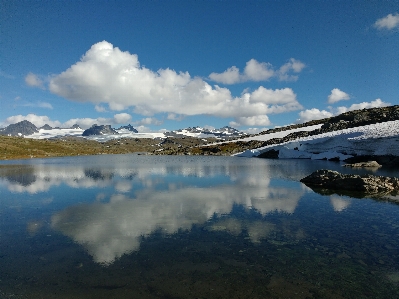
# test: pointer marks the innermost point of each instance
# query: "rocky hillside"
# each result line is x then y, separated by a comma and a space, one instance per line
346, 120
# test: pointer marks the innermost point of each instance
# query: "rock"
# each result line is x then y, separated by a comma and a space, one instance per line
372, 164
353, 185
271, 154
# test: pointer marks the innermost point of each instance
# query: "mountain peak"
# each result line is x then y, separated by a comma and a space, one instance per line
19, 129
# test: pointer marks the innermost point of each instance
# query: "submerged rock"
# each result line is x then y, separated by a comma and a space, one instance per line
327, 182
372, 164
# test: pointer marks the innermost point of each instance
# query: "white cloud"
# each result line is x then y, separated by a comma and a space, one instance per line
100, 108
259, 71
337, 95
389, 22
259, 120
149, 121
229, 76
34, 81
143, 129
105, 74
122, 118
293, 65
313, 114
364, 105
37, 120
173, 116
38, 104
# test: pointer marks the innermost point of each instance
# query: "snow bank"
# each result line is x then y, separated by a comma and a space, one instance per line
375, 139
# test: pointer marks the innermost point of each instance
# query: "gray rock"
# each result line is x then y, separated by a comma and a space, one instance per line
349, 184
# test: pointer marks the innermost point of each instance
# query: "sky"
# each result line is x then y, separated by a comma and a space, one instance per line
166, 65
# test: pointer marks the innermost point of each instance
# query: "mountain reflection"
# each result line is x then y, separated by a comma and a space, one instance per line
109, 230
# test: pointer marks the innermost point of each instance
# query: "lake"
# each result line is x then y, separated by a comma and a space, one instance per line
137, 226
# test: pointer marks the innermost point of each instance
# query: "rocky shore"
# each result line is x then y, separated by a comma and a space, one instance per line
328, 182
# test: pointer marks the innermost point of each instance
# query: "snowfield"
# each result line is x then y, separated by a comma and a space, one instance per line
375, 139
123, 133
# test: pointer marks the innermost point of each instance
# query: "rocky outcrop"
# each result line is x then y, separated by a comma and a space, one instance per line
19, 129
99, 130
362, 117
328, 182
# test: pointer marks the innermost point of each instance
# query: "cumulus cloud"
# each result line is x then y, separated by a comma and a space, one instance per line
229, 76
149, 121
84, 123
34, 81
364, 105
37, 120
100, 108
259, 120
337, 95
105, 74
259, 71
293, 65
313, 114
389, 22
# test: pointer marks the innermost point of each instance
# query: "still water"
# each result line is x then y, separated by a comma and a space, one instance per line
131, 226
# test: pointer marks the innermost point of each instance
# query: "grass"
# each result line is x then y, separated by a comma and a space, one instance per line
24, 148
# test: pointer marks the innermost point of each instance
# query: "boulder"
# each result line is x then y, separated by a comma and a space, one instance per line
328, 181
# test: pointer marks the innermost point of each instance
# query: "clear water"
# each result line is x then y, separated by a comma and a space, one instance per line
130, 226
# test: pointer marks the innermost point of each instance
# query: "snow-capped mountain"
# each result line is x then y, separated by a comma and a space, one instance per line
99, 130
21, 128
129, 128
106, 132
203, 132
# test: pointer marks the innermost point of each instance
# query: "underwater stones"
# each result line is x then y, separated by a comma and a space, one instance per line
356, 185
371, 164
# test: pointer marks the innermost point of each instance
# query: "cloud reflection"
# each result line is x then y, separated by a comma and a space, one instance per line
109, 230
339, 203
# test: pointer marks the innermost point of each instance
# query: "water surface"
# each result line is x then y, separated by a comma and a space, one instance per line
130, 226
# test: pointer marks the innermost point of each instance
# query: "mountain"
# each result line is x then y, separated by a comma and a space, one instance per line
202, 132
46, 127
129, 127
20, 129
99, 130
75, 126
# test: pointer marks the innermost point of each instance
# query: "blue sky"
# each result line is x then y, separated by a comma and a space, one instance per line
173, 64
